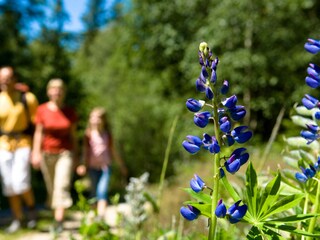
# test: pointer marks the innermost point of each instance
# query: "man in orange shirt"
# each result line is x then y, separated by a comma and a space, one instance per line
15, 147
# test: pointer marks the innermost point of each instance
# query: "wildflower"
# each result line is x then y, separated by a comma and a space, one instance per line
312, 46
240, 134
194, 105
209, 93
225, 87
225, 125
202, 119
221, 209
197, 184
310, 102
236, 160
311, 134
210, 143
192, 144
230, 102
235, 213
200, 85
189, 212
238, 112
306, 174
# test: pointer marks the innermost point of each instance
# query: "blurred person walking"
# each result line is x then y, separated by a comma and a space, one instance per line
17, 111
55, 149
99, 151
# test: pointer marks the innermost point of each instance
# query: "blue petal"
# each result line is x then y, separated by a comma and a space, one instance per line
238, 214
233, 167
221, 209
225, 87
311, 82
230, 102
200, 85
190, 213
190, 147
195, 186
209, 93
301, 177
312, 48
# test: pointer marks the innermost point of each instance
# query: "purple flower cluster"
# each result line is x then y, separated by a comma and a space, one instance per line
310, 102
308, 173
223, 111
234, 213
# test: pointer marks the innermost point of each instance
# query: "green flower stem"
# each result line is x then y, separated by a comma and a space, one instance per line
216, 177
314, 211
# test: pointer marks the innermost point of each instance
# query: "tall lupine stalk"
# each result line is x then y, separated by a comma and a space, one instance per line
222, 112
310, 175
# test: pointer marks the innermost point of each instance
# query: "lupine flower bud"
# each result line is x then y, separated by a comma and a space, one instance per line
213, 77
310, 136
194, 105
200, 85
203, 46
214, 147
209, 93
190, 213
202, 119
312, 46
221, 209
317, 115
225, 87
313, 70
197, 184
230, 102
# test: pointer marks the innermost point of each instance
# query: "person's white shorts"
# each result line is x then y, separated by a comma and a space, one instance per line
15, 171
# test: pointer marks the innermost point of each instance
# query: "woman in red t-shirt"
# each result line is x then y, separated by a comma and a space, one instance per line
54, 147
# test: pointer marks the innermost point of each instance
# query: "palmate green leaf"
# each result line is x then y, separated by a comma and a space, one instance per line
292, 229
200, 196
251, 189
266, 234
205, 209
270, 195
293, 219
284, 204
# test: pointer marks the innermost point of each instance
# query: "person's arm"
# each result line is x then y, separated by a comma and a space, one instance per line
82, 168
36, 156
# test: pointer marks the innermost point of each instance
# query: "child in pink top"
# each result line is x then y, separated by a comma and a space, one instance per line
98, 153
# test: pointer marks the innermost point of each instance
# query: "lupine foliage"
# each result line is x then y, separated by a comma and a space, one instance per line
265, 208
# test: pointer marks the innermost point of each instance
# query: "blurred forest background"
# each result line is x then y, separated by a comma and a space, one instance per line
139, 60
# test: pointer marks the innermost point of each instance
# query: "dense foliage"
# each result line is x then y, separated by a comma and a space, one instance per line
137, 62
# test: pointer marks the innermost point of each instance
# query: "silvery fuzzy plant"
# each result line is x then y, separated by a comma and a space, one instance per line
137, 198
263, 207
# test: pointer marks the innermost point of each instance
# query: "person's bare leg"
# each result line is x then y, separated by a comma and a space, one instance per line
59, 214
15, 205
28, 198
16, 208
101, 208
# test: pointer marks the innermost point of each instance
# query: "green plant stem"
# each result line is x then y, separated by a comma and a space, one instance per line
305, 210
216, 177
165, 161
314, 211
